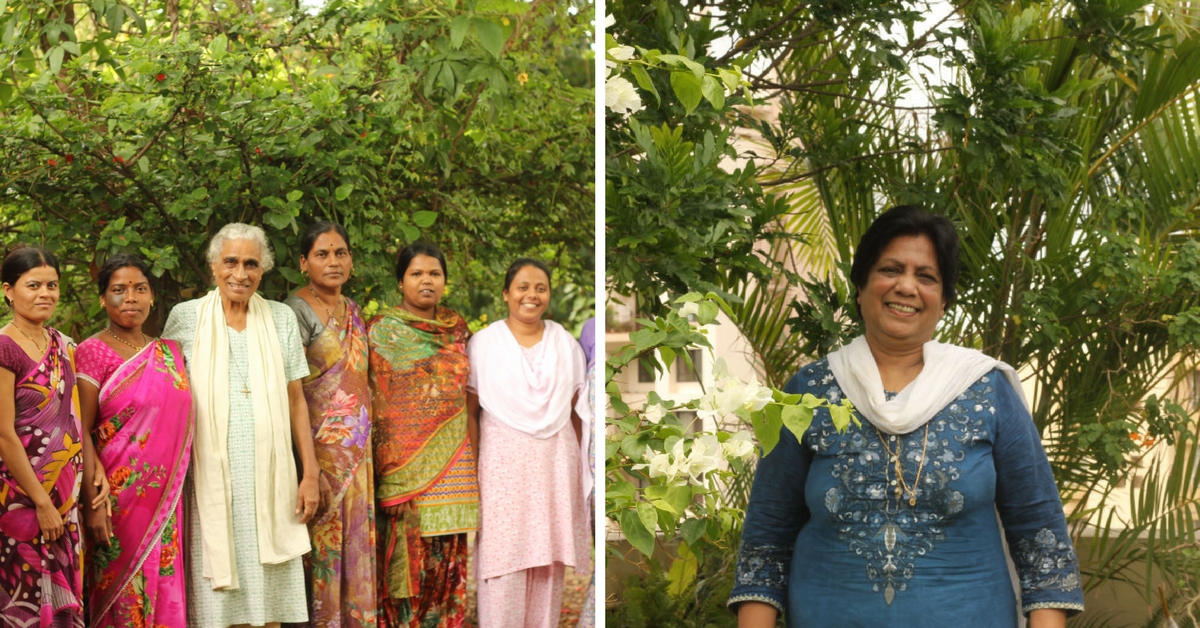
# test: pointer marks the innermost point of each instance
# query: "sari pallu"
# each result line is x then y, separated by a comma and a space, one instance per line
341, 566
41, 583
143, 437
419, 374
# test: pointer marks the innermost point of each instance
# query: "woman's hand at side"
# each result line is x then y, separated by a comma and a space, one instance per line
97, 517
1048, 618
12, 451
756, 615
308, 497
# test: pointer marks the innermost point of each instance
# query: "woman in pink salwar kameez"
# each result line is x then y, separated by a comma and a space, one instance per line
137, 406
527, 390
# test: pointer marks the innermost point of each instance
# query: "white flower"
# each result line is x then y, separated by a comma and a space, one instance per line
654, 413
621, 53
689, 309
669, 466
621, 96
609, 21
704, 457
740, 445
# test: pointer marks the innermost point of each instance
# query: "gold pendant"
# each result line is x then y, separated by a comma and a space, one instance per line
912, 500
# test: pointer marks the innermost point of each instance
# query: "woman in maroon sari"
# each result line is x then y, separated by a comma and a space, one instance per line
137, 408
40, 579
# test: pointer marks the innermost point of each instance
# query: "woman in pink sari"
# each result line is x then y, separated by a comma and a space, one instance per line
40, 583
137, 407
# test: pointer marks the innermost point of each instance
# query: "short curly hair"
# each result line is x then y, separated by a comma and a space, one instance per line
242, 231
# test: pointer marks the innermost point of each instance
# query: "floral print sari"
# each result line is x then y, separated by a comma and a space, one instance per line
143, 437
342, 563
41, 583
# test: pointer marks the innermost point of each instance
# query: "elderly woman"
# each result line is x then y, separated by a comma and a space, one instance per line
136, 408
246, 516
341, 567
894, 522
41, 452
527, 393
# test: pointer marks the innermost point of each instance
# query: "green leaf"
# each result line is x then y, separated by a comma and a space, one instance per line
343, 191
682, 573
218, 47
424, 219
708, 313
56, 58
278, 219
635, 532
643, 80
692, 530
714, 92
144, 164
291, 274
410, 233
766, 424
491, 36
797, 419
458, 30
296, 195
649, 516
687, 89
6, 93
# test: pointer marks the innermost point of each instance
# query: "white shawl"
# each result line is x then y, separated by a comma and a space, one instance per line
281, 536
534, 399
948, 372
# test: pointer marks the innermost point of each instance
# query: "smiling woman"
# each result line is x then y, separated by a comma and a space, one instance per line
246, 512
881, 523
528, 393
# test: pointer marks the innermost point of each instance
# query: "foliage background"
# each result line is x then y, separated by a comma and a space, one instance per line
145, 127
1061, 137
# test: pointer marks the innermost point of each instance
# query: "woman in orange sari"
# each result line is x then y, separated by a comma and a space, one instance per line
40, 579
137, 409
424, 458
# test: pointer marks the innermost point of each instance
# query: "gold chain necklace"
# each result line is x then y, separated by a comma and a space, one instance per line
30, 338
328, 312
902, 487
128, 344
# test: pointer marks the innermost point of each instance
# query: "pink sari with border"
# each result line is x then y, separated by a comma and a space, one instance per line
143, 436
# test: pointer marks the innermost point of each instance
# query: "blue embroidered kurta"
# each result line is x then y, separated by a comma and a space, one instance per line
829, 541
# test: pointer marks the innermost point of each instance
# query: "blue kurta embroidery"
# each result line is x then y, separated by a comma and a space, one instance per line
829, 521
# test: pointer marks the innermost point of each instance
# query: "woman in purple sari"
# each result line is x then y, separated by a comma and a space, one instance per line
137, 407
40, 580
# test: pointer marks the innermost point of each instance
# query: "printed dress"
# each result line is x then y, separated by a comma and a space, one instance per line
418, 379
41, 584
830, 541
341, 566
266, 593
143, 437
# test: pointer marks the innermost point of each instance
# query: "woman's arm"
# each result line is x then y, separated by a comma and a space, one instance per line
473, 421
96, 515
13, 454
1048, 618
756, 615
308, 498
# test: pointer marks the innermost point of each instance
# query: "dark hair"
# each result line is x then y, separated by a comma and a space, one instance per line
315, 230
415, 249
516, 266
908, 220
23, 259
117, 262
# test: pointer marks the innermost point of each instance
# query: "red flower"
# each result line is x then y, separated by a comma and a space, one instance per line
51, 162
257, 150
161, 77
364, 135
70, 157
117, 480
119, 159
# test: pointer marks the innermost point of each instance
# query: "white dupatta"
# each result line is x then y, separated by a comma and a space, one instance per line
534, 399
281, 536
948, 371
